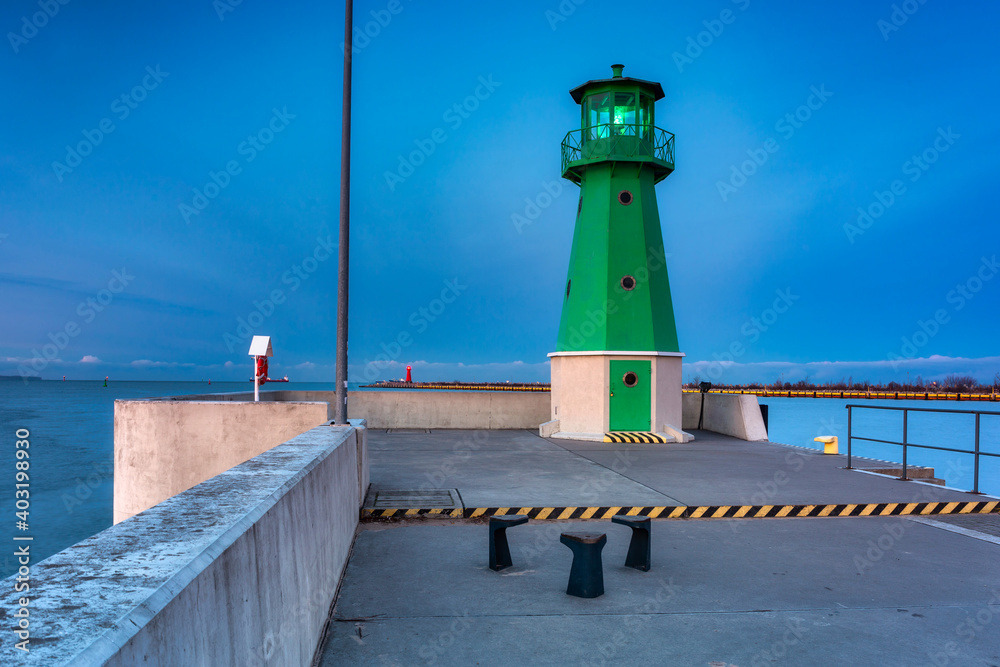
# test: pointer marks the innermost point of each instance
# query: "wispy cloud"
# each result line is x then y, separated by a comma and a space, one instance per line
932, 367
147, 363
85, 290
89, 359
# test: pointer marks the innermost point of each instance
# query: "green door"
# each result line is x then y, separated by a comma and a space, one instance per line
630, 394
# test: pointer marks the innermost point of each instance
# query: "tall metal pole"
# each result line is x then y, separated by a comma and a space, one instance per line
345, 221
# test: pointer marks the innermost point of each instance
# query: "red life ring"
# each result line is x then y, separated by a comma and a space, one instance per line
261, 370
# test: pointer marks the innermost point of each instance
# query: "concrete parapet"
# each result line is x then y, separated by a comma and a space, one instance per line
239, 570
278, 395
736, 415
165, 446
548, 429
450, 409
400, 408
677, 434
364, 470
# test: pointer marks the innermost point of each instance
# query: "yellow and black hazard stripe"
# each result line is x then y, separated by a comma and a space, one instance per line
634, 436
456, 513
702, 511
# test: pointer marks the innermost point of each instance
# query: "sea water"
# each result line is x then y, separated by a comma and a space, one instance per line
71, 427
797, 421
71, 463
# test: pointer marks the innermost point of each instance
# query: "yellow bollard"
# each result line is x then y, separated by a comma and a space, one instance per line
829, 443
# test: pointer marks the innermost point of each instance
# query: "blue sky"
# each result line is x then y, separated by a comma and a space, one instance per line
169, 184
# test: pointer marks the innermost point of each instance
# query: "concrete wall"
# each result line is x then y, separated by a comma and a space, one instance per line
450, 409
163, 447
666, 393
267, 396
239, 570
737, 415
581, 391
394, 408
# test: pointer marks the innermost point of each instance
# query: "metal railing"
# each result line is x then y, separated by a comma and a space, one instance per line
975, 452
617, 141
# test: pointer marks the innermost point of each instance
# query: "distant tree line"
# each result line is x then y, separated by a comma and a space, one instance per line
965, 384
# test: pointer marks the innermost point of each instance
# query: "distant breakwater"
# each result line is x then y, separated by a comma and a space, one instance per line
462, 386
883, 395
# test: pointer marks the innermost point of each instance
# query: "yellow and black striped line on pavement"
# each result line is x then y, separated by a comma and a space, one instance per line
634, 436
701, 512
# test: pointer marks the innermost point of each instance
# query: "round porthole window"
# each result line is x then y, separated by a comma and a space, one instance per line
625, 197
628, 283
630, 379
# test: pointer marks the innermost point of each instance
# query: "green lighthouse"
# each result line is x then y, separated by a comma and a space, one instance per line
617, 364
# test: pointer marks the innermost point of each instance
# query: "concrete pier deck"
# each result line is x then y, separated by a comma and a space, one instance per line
520, 469
888, 590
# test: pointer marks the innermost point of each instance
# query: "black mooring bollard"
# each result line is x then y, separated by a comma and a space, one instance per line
586, 576
639, 548
499, 549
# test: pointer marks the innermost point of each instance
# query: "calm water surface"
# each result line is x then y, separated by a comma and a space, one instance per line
796, 421
72, 454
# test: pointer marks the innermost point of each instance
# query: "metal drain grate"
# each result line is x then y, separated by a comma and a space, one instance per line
415, 499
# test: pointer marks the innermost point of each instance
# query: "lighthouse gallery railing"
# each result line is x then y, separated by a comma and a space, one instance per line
617, 141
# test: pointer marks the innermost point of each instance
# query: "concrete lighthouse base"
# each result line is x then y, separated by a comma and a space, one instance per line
585, 403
